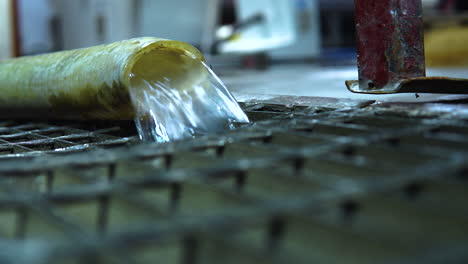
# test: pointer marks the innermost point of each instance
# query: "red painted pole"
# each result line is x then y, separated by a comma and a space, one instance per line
390, 42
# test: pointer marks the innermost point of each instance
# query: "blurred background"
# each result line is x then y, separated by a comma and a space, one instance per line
300, 47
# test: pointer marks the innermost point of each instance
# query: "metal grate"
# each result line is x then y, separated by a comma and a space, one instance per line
335, 182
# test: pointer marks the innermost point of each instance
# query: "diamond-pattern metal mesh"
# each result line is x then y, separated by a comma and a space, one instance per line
323, 184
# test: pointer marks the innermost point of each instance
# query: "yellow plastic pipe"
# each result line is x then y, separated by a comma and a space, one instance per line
90, 83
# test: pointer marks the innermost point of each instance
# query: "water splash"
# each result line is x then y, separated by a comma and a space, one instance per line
183, 99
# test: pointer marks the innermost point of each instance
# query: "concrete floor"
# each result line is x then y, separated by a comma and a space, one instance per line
308, 80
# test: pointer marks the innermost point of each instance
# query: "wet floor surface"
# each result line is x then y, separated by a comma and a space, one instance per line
309, 80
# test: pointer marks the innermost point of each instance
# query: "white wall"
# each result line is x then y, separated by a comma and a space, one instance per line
173, 19
34, 28
308, 43
182, 20
78, 22
123, 24
6, 34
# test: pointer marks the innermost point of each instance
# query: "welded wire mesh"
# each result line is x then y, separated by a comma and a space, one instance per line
301, 184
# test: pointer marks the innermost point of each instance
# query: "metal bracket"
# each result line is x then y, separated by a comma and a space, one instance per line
391, 57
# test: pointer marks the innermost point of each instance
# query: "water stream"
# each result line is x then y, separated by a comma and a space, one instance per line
177, 96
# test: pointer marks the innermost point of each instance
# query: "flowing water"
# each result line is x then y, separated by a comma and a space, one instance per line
177, 96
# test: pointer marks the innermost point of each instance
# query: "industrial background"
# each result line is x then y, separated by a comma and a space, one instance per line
320, 175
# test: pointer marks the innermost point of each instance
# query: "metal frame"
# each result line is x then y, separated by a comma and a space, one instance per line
335, 175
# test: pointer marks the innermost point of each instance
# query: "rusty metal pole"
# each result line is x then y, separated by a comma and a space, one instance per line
390, 37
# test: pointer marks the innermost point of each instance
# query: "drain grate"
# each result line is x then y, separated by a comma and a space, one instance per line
333, 183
